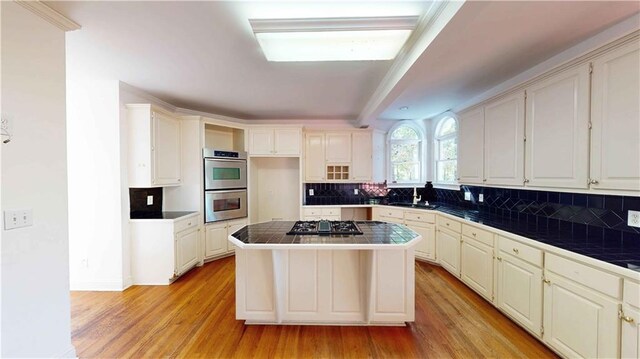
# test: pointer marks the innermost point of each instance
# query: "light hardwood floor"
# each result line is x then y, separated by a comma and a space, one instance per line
195, 318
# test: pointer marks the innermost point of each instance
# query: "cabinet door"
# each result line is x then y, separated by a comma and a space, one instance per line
615, 117
261, 141
504, 141
338, 147
519, 291
186, 250
215, 240
579, 322
426, 248
361, 144
476, 266
166, 150
557, 153
471, 147
630, 333
287, 141
448, 248
231, 229
314, 165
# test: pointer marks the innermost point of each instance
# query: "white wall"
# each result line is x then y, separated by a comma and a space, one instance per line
35, 274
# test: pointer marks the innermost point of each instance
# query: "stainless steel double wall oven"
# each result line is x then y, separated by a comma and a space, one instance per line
225, 185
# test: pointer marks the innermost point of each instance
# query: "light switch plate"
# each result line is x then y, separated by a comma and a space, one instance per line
149, 200
467, 196
633, 219
480, 197
18, 218
311, 192
355, 191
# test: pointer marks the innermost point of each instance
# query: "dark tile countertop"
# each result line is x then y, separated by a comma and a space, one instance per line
615, 247
377, 233
158, 215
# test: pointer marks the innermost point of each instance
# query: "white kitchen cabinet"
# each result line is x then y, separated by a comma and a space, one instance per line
476, 261
426, 248
615, 118
276, 142
557, 147
338, 147
318, 213
388, 214
314, 161
519, 284
154, 147
581, 309
471, 146
448, 249
630, 321
162, 250
216, 237
361, 166
504, 140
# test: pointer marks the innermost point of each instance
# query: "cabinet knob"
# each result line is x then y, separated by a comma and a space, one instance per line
516, 251
526, 180
546, 281
188, 224
474, 234
624, 317
593, 181
447, 224
458, 179
499, 258
484, 180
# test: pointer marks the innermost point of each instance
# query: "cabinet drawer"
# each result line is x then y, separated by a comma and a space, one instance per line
312, 211
480, 235
519, 250
632, 293
420, 217
186, 223
331, 211
595, 279
392, 212
449, 224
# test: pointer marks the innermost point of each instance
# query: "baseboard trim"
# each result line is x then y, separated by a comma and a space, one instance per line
70, 353
128, 282
106, 286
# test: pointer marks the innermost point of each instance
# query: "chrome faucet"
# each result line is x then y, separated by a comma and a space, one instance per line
416, 199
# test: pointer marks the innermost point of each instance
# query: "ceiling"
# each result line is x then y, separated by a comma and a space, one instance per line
203, 55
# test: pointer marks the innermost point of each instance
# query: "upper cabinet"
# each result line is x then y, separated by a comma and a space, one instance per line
339, 156
504, 140
274, 142
615, 118
471, 146
557, 153
154, 147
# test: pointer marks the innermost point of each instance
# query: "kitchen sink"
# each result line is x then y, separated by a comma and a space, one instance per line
411, 205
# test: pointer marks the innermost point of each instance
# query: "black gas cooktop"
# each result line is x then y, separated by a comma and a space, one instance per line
324, 228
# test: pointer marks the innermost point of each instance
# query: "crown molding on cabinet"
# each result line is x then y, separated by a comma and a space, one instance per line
47, 13
429, 26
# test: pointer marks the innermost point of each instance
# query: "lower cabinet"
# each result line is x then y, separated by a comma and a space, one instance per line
476, 266
426, 248
162, 250
216, 237
580, 310
317, 213
448, 248
519, 291
630, 320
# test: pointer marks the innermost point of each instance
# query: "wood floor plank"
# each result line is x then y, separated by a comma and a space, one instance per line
195, 318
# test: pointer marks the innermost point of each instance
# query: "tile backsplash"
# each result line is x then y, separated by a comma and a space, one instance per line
607, 212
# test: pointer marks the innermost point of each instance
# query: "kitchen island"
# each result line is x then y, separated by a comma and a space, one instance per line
332, 279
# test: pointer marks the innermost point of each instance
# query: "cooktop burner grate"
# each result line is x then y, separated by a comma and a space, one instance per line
323, 227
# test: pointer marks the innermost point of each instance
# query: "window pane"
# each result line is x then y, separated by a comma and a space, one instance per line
405, 152
404, 133
448, 149
447, 171
447, 126
406, 172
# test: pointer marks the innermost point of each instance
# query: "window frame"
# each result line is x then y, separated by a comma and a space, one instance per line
437, 139
421, 155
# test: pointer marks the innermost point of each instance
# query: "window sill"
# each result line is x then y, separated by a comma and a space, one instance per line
452, 186
404, 185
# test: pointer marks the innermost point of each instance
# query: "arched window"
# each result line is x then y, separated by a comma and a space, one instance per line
405, 154
446, 151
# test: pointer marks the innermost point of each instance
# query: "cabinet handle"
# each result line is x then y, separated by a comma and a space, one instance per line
593, 181
499, 258
516, 251
188, 224
474, 234
447, 224
624, 317
484, 180
526, 180
458, 179
546, 281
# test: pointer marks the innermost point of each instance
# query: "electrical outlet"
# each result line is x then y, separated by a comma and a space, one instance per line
480, 197
467, 196
633, 219
18, 218
149, 200
311, 192
355, 191
84, 263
